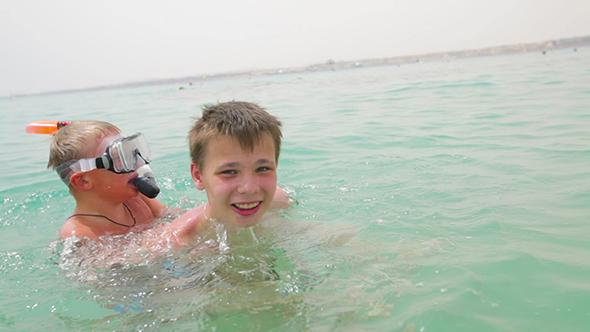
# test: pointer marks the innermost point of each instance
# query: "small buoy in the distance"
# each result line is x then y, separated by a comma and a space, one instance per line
46, 126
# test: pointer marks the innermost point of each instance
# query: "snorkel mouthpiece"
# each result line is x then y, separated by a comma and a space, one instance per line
146, 182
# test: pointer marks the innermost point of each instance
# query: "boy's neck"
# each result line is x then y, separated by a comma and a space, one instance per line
116, 211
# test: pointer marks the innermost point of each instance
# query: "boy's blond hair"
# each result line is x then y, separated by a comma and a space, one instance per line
243, 121
73, 141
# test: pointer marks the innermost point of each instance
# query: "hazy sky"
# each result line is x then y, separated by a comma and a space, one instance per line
70, 44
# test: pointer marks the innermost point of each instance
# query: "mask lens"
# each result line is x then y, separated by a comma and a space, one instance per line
117, 160
128, 153
142, 148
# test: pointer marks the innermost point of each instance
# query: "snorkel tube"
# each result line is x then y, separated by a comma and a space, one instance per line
145, 182
46, 127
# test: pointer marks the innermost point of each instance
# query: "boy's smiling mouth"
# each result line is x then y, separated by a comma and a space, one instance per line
246, 209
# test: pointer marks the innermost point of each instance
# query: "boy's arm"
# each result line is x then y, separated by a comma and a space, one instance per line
178, 233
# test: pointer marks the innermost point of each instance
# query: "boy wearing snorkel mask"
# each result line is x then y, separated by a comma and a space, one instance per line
100, 167
235, 150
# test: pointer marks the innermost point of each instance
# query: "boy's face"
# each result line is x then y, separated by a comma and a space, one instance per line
109, 184
240, 184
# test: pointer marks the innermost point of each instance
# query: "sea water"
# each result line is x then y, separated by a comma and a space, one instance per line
451, 195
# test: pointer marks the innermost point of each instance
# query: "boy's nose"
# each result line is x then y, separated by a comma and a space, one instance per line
248, 186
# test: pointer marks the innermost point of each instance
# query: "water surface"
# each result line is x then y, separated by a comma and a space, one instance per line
441, 196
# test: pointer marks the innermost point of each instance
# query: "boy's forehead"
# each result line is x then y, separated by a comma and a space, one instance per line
103, 143
221, 144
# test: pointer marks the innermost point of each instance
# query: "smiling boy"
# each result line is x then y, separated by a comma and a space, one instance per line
235, 149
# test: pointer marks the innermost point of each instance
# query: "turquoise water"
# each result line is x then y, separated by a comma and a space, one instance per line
442, 196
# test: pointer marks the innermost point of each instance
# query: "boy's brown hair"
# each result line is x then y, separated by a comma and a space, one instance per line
74, 140
241, 120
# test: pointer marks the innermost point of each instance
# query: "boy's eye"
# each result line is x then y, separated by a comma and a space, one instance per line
228, 171
263, 169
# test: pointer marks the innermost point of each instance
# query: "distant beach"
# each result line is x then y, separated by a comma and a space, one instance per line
330, 64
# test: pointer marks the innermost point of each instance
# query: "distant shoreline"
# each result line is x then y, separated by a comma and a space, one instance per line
544, 46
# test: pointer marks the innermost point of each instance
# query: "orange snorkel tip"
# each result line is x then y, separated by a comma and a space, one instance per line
46, 127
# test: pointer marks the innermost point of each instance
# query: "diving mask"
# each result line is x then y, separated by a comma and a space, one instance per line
124, 155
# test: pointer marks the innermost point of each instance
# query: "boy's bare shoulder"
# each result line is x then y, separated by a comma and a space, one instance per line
73, 228
281, 200
156, 207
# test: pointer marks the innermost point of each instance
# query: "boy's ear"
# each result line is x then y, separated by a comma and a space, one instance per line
197, 176
79, 182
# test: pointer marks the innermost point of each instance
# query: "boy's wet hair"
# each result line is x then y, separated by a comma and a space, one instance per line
241, 120
76, 139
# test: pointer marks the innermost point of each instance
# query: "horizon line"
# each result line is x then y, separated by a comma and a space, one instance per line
551, 44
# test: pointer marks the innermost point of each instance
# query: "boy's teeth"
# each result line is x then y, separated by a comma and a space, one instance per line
247, 206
